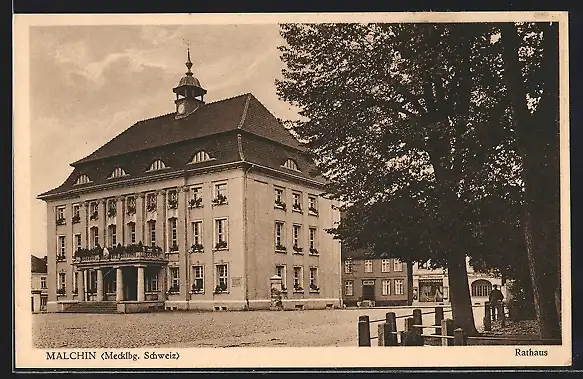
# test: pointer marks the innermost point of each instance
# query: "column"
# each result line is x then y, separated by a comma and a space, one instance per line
118, 284
99, 284
85, 286
81, 286
140, 209
141, 292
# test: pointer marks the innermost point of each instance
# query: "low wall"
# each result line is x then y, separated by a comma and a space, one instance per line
140, 306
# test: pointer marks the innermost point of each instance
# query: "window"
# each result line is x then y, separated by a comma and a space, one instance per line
94, 233
94, 211
312, 205
222, 278
92, 277
62, 247
174, 279
152, 232
481, 287
112, 235
221, 233
386, 287
196, 193
279, 228
110, 282
280, 198
197, 233
348, 266
298, 279
43, 303
172, 199
280, 271
157, 165
220, 194
82, 179
60, 216
77, 211
386, 265
151, 278
130, 205
201, 156
198, 278
297, 238
368, 265
62, 285
132, 232
111, 208
173, 230
43, 282
314, 279
151, 202
398, 266
77, 242
349, 288
291, 164
399, 289
312, 239
297, 204
118, 172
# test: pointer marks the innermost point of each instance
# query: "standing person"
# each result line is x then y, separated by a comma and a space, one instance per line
496, 298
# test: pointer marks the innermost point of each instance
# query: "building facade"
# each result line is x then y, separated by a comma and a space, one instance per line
196, 209
431, 286
38, 284
382, 281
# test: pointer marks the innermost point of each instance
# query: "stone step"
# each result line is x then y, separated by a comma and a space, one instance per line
92, 307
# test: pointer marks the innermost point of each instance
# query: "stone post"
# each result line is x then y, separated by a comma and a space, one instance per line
363, 331
99, 284
119, 285
141, 291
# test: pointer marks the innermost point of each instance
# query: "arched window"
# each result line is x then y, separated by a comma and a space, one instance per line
118, 172
291, 164
157, 165
83, 179
201, 156
481, 288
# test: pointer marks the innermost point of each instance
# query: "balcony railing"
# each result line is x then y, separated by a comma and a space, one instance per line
119, 252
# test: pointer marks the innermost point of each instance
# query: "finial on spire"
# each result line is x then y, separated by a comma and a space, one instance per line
188, 63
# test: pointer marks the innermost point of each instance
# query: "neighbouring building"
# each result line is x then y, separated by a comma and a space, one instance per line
431, 286
38, 284
196, 209
383, 281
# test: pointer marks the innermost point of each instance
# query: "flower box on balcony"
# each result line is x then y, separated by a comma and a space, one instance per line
196, 290
297, 208
131, 209
173, 290
197, 248
314, 288
298, 288
219, 200
94, 216
111, 212
195, 203
172, 203
60, 221
61, 291
61, 258
312, 211
221, 245
280, 248
298, 250
174, 248
220, 288
314, 251
280, 205
76, 219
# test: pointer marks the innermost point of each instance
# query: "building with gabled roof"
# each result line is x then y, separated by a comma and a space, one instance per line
38, 284
195, 209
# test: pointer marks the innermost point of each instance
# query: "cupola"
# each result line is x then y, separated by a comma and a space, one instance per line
189, 93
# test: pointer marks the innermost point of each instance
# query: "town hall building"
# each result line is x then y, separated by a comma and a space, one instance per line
202, 208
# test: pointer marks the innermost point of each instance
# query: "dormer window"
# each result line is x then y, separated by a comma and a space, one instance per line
201, 156
157, 165
83, 179
291, 164
118, 172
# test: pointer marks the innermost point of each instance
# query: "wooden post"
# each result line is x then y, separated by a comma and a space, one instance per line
384, 334
417, 318
417, 338
391, 331
501, 314
363, 331
438, 319
447, 330
408, 324
459, 337
487, 315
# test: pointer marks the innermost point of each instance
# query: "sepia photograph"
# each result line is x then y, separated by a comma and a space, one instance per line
307, 190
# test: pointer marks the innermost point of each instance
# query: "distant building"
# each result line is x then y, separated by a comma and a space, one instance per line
195, 209
38, 282
431, 286
384, 281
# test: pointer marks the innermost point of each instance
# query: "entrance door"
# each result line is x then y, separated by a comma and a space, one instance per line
130, 283
368, 292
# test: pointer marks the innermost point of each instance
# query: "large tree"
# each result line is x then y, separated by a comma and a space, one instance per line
407, 123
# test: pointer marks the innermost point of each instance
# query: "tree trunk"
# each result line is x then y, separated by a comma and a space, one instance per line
538, 141
461, 303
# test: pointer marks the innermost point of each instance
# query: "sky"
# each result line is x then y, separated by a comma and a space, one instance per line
90, 83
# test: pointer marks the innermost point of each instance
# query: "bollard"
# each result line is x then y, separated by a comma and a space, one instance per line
487, 315
459, 337
438, 318
408, 324
417, 338
447, 330
417, 318
384, 333
363, 331
391, 331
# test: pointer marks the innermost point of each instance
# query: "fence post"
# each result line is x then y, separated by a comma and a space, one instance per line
417, 332
447, 330
487, 317
501, 314
391, 331
438, 319
363, 331
459, 337
384, 334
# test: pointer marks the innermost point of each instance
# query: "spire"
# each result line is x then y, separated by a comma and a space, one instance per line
188, 63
